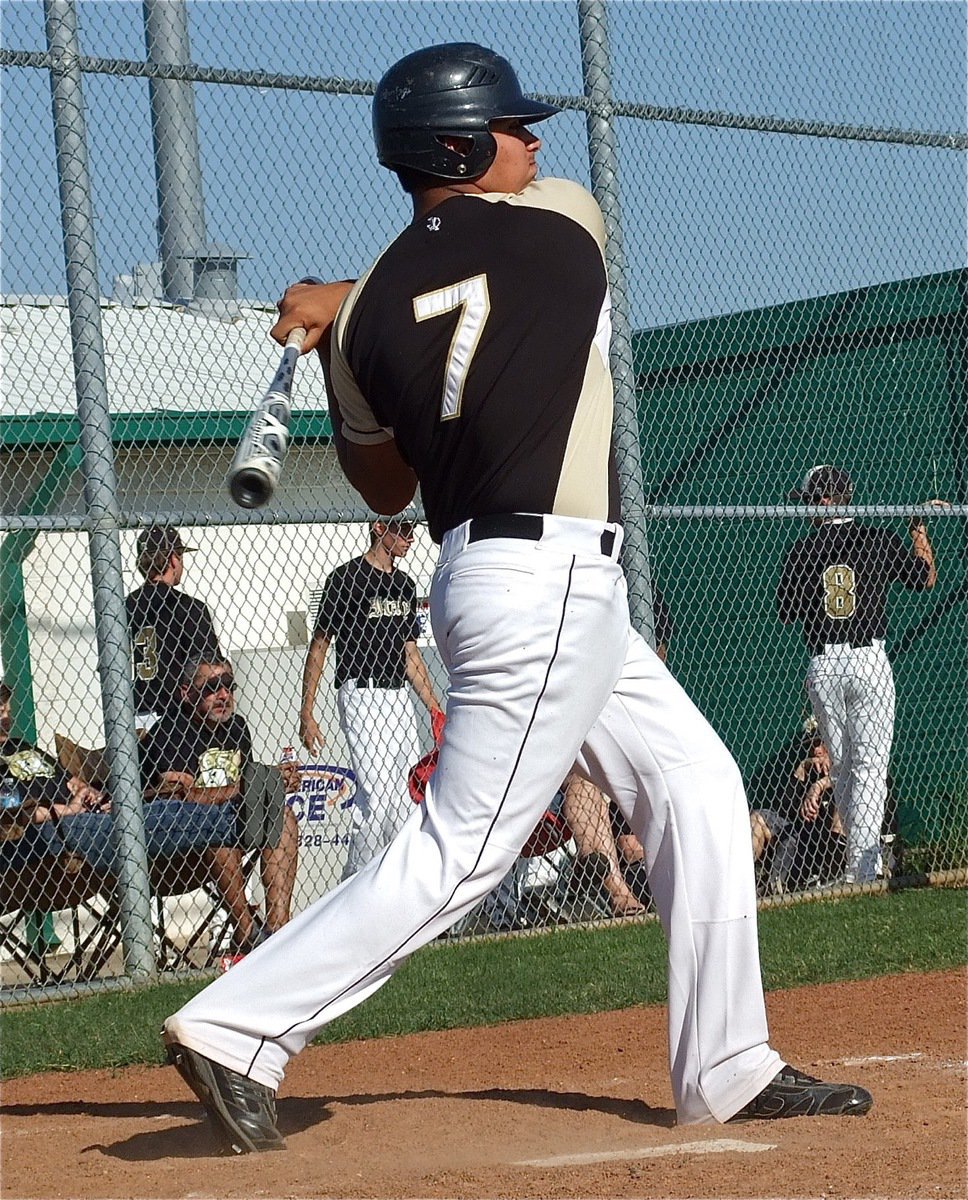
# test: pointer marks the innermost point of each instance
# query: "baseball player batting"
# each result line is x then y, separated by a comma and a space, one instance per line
835, 582
473, 358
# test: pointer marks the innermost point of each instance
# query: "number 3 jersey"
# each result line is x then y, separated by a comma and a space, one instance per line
167, 630
479, 342
835, 581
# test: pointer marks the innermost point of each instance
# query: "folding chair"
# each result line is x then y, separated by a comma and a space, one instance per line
62, 882
92, 902
262, 807
175, 879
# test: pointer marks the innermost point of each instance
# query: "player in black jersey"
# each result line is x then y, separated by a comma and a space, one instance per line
473, 358
368, 610
167, 628
834, 582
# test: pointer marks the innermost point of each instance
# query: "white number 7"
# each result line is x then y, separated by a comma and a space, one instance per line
471, 297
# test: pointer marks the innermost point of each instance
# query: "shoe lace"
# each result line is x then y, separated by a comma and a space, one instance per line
792, 1075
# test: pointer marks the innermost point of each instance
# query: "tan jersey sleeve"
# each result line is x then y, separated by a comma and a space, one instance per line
359, 423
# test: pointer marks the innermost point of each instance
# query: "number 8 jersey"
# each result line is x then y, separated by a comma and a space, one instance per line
479, 342
835, 581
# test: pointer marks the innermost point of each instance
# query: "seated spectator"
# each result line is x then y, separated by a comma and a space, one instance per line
631, 855
58, 815
798, 842
38, 793
202, 754
203, 789
33, 858
609, 867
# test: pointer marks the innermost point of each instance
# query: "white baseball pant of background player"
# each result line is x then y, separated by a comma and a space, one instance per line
852, 696
380, 727
542, 660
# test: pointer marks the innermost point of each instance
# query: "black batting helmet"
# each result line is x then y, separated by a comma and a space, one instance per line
458, 89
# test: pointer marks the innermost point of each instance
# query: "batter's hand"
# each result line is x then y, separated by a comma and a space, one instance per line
437, 719
311, 735
310, 306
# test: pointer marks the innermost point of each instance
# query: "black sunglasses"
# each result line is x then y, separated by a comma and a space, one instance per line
216, 684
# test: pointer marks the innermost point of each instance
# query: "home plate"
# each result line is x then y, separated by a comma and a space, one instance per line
719, 1146
880, 1058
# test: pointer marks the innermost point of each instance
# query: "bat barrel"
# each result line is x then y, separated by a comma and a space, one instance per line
257, 465
251, 487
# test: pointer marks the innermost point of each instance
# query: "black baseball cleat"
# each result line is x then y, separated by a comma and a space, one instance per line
793, 1094
243, 1111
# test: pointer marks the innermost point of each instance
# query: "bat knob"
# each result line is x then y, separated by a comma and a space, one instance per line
250, 488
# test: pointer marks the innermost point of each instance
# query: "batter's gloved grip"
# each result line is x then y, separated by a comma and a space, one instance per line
420, 773
437, 719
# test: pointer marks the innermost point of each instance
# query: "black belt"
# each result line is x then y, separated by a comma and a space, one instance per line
370, 681
527, 526
847, 645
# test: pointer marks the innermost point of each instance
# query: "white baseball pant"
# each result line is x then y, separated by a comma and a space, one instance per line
852, 696
380, 727
544, 668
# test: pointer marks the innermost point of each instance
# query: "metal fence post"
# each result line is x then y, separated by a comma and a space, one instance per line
100, 481
178, 171
603, 163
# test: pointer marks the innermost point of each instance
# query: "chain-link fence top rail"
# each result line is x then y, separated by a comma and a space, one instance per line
791, 180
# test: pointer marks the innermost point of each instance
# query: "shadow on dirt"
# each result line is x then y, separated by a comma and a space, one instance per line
197, 1138
629, 1110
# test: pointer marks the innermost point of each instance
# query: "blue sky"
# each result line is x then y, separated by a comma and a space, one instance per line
716, 220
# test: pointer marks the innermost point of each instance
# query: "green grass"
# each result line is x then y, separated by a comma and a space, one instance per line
560, 972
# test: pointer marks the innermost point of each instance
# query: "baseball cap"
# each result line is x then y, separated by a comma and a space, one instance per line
821, 481
161, 539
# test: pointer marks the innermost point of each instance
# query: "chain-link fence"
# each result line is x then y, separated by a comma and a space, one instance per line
784, 191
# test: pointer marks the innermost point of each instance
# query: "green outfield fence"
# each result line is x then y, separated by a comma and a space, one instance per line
784, 190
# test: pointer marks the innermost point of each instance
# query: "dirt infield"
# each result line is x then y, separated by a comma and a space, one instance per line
575, 1107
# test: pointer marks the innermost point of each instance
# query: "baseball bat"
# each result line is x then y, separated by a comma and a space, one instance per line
257, 465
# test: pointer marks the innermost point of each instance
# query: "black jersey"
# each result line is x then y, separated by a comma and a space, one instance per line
371, 615
167, 630
479, 342
835, 581
214, 755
